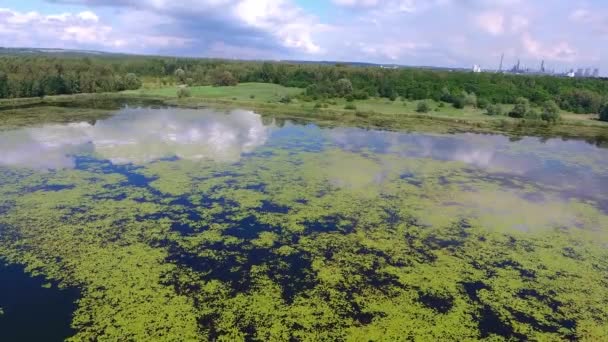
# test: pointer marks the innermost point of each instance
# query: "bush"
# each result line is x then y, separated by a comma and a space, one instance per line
469, 99
132, 82
344, 87
223, 79
349, 98
285, 99
183, 92
350, 106
483, 103
521, 109
604, 113
180, 75
550, 112
190, 81
423, 107
494, 110
252, 96
360, 95
458, 102
532, 115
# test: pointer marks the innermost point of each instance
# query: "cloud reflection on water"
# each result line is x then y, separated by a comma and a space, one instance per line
137, 136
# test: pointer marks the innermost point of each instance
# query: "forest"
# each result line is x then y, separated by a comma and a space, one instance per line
42, 75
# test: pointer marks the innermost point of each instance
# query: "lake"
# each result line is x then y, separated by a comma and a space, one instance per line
167, 223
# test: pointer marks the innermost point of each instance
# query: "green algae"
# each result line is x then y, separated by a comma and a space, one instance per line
294, 244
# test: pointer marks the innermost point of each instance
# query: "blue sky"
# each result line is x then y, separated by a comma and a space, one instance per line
566, 34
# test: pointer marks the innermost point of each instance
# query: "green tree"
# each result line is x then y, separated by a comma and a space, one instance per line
494, 110
180, 75
550, 112
132, 82
223, 78
344, 87
521, 109
423, 107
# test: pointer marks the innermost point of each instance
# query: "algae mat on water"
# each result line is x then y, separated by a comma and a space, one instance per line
200, 225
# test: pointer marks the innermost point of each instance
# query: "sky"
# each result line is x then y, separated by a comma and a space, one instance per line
451, 33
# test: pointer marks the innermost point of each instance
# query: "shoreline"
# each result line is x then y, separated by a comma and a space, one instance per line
430, 122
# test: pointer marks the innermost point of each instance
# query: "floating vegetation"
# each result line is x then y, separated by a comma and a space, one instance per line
195, 225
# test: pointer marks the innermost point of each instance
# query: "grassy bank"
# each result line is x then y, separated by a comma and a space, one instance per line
278, 101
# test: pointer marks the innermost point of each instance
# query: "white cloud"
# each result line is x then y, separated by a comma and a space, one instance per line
561, 51
289, 26
492, 22
71, 30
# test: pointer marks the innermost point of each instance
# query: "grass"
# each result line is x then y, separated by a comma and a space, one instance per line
254, 92
374, 112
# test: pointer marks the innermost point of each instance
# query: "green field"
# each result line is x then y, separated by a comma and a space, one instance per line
255, 94
243, 92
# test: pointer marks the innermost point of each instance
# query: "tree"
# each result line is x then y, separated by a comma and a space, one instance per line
180, 74
223, 78
344, 87
131, 82
522, 107
423, 107
550, 112
494, 110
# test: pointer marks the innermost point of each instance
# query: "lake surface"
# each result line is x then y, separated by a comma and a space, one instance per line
204, 224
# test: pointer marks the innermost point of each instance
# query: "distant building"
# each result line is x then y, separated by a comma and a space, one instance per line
579, 72
596, 72
570, 73
476, 68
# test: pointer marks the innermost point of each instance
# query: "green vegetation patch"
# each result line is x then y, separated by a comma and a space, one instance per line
311, 245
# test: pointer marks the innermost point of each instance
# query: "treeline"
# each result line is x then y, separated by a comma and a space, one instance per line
43, 75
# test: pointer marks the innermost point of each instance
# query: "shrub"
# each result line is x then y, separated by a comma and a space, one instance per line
223, 79
469, 99
132, 82
252, 96
550, 112
494, 110
285, 99
350, 106
344, 87
361, 114
349, 98
482, 103
190, 81
360, 95
604, 113
532, 115
522, 107
458, 102
423, 107
180, 75
183, 92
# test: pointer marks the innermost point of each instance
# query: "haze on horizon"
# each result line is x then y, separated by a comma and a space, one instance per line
451, 33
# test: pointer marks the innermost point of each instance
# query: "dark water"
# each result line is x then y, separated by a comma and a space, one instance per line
33, 312
161, 157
